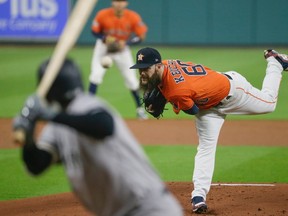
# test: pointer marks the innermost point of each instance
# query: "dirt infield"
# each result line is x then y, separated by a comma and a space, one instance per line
271, 199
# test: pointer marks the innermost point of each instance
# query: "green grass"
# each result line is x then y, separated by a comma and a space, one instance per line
174, 163
19, 65
251, 164
16, 183
233, 164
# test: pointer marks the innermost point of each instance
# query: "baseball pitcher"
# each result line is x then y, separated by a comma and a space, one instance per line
209, 95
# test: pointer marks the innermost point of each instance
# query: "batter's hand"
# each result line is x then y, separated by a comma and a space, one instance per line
24, 123
21, 128
35, 108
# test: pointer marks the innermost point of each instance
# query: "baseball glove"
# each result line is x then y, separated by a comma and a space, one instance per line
154, 102
113, 47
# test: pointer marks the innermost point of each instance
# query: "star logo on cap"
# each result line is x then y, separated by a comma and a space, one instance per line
140, 57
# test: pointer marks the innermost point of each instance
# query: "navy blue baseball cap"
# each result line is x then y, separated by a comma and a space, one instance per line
146, 57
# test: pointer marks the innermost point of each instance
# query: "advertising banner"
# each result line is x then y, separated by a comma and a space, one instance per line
30, 20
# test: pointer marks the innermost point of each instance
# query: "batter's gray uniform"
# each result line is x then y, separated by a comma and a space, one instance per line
111, 176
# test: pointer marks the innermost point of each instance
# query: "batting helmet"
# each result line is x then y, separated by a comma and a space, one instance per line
67, 83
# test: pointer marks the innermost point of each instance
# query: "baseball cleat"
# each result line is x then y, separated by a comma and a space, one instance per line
198, 205
281, 58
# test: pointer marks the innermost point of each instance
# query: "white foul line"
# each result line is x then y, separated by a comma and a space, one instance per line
251, 185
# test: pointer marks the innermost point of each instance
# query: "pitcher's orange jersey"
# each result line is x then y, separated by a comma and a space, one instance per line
186, 83
108, 23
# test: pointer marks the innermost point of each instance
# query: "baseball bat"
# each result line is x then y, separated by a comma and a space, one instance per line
70, 34
68, 37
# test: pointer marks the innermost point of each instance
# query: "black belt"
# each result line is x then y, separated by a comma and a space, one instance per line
228, 76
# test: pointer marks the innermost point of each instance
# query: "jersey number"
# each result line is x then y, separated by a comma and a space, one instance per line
192, 70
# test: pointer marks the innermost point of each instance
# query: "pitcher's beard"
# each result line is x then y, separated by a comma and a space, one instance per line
153, 82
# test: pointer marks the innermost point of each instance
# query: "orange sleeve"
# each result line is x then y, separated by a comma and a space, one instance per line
96, 27
181, 103
139, 27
